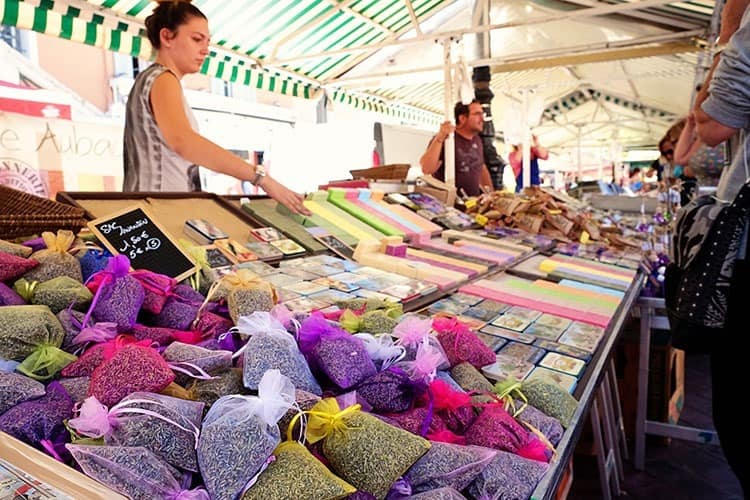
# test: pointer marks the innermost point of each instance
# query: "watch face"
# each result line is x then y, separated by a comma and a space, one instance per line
260, 172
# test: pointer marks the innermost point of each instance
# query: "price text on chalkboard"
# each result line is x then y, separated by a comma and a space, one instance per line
133, 232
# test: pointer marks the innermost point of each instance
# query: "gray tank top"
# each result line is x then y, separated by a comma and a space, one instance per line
150, 164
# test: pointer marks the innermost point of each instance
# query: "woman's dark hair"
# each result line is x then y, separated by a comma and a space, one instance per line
171, 15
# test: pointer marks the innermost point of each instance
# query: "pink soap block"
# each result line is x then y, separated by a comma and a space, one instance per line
398, 250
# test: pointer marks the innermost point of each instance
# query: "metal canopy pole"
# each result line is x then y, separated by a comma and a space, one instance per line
448, 145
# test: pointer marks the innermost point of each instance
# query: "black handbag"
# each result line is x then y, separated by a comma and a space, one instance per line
709, 237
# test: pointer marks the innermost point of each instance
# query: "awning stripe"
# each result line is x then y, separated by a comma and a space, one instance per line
94, 26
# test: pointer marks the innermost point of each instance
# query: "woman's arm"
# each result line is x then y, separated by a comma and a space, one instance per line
167, 105
688, 142
723, 107
539, 151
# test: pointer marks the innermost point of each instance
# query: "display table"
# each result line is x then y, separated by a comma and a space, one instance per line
587, 392
648, 308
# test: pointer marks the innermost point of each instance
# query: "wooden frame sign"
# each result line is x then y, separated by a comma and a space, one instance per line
134, 233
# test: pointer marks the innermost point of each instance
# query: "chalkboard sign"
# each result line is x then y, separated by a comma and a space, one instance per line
134, 233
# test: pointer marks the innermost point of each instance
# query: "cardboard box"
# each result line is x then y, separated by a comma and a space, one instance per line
27, 467
666, 378
438, 189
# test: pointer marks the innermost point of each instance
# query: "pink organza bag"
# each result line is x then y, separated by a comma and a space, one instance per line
411, 332
133, 368
460, 343
166, 426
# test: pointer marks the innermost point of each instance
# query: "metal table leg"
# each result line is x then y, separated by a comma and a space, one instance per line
643, 368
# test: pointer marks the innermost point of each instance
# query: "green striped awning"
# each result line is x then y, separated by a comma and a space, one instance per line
290, 47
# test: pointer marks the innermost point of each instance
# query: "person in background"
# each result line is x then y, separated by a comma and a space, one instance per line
666, 159
472, 174
722, 109
635, 180
515, 159
162, 146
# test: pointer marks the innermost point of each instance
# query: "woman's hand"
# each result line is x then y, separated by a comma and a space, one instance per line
287, 197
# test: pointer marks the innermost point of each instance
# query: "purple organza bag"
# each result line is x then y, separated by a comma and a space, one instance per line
461, 344
9, 297
496, 428
391, 390
271, 346
454, 407
180, 309
211, 325
133, 368
334, 352
239, 435
16, 388
118, 297
420, 421
133, 471
507, 476
424, 366
157, 288
164, 336
447, 465
12, 266
166, 426
77, 387
72, 322
550, 427
438, 494
39, 422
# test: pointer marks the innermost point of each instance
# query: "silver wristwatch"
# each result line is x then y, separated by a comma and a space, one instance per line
260, 173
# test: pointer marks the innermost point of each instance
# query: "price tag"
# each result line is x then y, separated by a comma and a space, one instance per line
471, 203
135, 233
585, 237
481, 219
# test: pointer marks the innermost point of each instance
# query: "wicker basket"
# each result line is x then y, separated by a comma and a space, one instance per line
23, 214
396, 171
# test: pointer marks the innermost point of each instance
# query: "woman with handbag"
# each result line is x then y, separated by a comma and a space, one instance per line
721, 111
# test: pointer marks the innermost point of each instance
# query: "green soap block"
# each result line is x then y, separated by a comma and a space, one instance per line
338, 198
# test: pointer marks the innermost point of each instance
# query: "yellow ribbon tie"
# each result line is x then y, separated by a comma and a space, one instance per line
25, 289
199, 256
350, 321
326, 418
60, 242
507, 393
